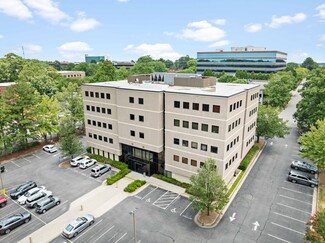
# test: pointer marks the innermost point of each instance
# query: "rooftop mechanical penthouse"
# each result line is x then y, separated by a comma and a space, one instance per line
171, 123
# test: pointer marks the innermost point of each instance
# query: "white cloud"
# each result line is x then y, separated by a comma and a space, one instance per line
82, 23
219, 21
48, 10
253, 28
278, 21
298, 57
156, 51
322, 38
200, 31
219, 44
15, 8
32, 49
321, 11
74, 50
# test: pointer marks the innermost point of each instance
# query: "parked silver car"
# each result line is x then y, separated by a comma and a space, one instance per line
297, 177
87, 163
33, 200
78, 225
22, 199
46, 204
77, 160
99, 170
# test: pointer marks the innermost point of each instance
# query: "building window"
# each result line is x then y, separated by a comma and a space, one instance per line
204, 127
215, 129
90, 135
229, 128
91, 94
109, 111
195, 125
194, 145
230, 109
195, 106
176, 123
86, 93
184, 160
98, 109
89, 122
176, 158
185, 124
131, 99
205, 107
102, 95
104, 125
97, 95
140, 100
111, 140
99, 124
216, 108
105, 139
176, 141
204, 147
93, 108
193, 162
95, 136
201, 164
131, 116
94, 123
177, 104
228, 147
186, 105
185, 143
132, 133
141, 134
88, 107
214, 149
108, 96
100, 137
141, 118
110, 126
103, 110
226, 166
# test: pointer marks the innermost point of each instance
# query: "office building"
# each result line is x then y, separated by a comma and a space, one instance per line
72, 74
171, 128
249, 58
95, 59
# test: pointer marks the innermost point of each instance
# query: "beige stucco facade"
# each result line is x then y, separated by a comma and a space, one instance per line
187, 125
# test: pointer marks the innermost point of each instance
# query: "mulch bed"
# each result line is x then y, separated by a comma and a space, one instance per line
205, 219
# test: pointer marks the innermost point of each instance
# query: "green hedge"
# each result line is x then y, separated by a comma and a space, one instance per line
134, 185
172, 181
244, 164
124, 170
234, 185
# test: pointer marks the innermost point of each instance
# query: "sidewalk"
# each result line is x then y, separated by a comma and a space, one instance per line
97, 202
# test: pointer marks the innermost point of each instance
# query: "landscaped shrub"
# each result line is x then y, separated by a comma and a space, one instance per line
111, 180
244, 164
172, 181
88, 150
134, 185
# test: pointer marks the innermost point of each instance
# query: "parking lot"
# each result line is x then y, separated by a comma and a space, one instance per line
44, 168
158, 213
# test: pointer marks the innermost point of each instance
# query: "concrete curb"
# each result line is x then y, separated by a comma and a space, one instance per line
234, 193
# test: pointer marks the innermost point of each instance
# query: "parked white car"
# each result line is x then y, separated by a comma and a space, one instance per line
22, 199
33, 200
87, 163
50, 148
77, 160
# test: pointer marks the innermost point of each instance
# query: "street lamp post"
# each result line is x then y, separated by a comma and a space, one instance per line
3, 191
133, 215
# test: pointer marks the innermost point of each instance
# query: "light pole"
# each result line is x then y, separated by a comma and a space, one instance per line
3, 190
133, 215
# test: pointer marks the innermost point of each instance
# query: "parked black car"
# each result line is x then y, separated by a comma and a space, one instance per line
20, 190
10, 222
301, 178
303, 166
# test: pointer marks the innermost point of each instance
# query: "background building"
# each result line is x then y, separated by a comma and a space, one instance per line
249, 58
156, 127
127, 65
95, 59
4, 86
73, 74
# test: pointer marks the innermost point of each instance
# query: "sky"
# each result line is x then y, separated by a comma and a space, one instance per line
124, 30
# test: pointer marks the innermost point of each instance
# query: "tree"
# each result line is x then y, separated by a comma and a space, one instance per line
312, 105
4, 71
315, 230
182, 62
301, 73
122, 73
309, 64
269, 124
277, 92
313, 143
227, 79
16, 64
208, 190
105, 72
5, 137
70, 144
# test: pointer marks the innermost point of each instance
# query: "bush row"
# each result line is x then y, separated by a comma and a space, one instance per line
124, 170
134, 185
244, 164
172, 181
234, 185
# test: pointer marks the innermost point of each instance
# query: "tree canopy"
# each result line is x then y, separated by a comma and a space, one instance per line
309, 63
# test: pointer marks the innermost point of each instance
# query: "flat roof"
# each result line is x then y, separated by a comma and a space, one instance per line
227, 52
220, 89
5, 84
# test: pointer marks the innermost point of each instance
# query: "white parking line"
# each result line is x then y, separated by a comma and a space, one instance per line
27, 160
121, 237
301, 221
291, 198
58, 153
13, 212
309, 213
279, 225
86, 230
103, 234
31, 213
278, 238
149, 193
307, 194
187, 217
186, 208
37, 156
161, 201
15, 164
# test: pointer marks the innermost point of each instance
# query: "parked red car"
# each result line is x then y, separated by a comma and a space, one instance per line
3, 201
